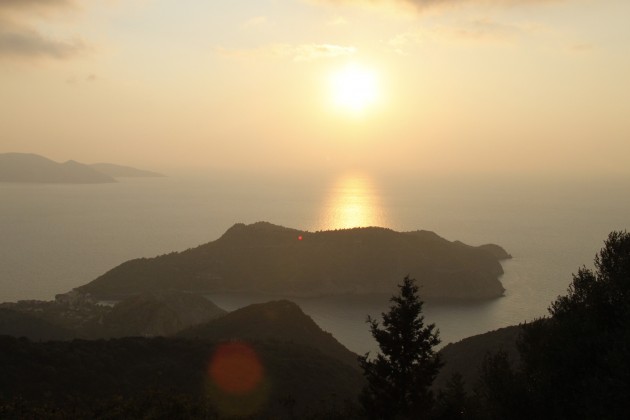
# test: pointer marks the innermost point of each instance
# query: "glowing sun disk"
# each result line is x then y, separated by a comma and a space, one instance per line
354, 87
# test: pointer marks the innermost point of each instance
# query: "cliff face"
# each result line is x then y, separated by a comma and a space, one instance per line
264, 258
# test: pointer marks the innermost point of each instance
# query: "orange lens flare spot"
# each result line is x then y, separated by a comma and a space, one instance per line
235, 368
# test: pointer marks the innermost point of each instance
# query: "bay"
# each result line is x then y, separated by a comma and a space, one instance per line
56, 237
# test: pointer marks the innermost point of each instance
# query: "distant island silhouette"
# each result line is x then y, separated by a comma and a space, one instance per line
269, 259
119, 171
32, 168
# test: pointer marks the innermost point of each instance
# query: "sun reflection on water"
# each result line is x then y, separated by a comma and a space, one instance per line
352, 202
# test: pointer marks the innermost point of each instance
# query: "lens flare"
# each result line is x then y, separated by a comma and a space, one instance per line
236, 369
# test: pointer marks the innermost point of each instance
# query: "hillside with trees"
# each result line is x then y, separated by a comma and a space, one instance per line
270, 259
572, 364
575, 363
75, 315
277, 321
82, 375
271, 361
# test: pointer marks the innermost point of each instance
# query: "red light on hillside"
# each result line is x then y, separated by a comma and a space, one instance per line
300, 238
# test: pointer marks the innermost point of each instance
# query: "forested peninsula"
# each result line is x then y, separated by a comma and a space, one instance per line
269, 259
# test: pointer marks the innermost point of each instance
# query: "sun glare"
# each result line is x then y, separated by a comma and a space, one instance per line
354, 88
353, 203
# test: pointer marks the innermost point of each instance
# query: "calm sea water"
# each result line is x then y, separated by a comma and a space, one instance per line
56, 237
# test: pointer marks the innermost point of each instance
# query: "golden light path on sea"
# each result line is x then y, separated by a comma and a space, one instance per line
353, 201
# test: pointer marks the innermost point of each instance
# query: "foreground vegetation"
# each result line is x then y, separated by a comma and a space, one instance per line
82, 375
573, 364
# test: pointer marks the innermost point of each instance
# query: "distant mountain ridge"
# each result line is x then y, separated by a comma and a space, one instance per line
271, 259
120, 171
27, 167
32, 168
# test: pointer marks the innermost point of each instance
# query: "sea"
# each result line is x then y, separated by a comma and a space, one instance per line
57, 237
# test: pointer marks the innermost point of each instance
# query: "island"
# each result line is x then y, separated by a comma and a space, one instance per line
32, 168
274, 260
120, 171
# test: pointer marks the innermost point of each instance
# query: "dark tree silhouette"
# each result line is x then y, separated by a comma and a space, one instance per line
453, 403
400, 377
575, 364
502, 392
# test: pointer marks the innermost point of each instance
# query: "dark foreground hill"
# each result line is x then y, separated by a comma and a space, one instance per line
280, 378
278, 321
169, 313
27, 167
19, 324
265, 258
288, 365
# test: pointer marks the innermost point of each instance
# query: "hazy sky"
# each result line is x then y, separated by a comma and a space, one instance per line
492, 86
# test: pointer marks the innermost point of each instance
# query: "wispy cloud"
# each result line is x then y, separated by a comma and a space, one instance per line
299, 52
74, 80
582, 47
22, 41
481, 30
256, 22
19, 37
337, 21
34, 6
420, 5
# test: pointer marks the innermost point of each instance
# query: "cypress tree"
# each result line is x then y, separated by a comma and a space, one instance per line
400, 376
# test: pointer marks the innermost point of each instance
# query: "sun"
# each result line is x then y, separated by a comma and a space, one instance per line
354, 87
